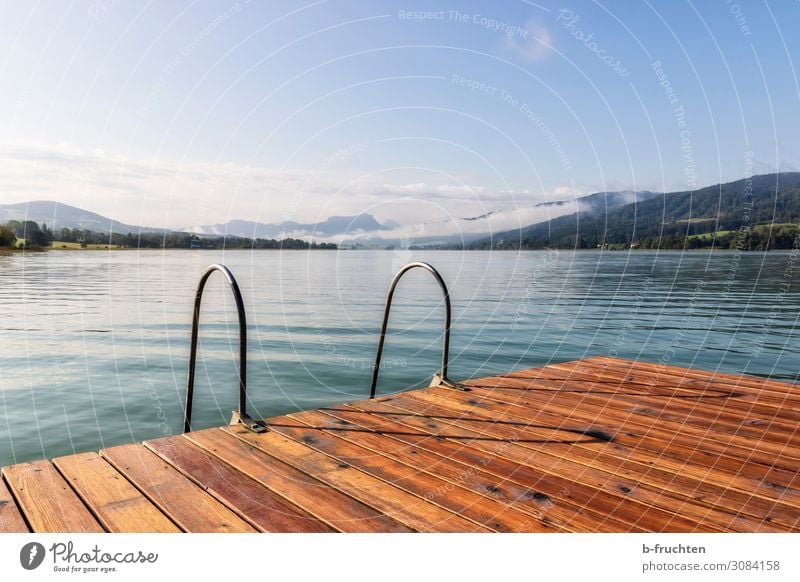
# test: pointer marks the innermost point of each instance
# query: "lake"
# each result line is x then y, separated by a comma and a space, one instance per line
94, 345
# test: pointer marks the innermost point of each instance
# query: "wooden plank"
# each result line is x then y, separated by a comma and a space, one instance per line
263, 508
47, 501
657, 374
617, 412
11, 520
773, 420
630, 495
738, 473
567, 379
640, 379
620, 406
186, 504
760, 385
328, 504
681, 480
451, 495
116, 504
714, 484
511, 483
586, 468
392, 501
705, 452
680, 429
551, 495
697, 390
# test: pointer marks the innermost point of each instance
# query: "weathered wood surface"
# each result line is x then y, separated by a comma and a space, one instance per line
47, 501
11, 520
599, 444
185, 503
117, 504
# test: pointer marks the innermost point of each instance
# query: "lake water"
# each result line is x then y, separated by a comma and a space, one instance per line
94, 345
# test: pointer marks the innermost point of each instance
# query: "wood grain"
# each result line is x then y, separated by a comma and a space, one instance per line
186, 504
116, 504
617, 411
263, 508
659, 509
743, 508
339, 510
11, 520
48, 502
545, 497
409, 509
453, 494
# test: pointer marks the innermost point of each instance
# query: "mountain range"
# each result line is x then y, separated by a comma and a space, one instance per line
359, 230
58, 215
620, 218
332, 226
671, 220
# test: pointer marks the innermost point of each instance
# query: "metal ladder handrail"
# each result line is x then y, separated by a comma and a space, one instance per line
240, 415
440, 378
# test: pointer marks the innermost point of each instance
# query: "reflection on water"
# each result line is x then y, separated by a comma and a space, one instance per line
94, 345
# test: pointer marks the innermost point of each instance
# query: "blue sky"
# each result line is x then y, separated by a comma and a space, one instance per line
182, 113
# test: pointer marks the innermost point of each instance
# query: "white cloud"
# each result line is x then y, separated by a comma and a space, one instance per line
536, 45
565, 191
460, 190
493, 222
169, 194
415, 188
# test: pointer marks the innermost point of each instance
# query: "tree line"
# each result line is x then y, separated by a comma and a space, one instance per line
41, 236
760, 213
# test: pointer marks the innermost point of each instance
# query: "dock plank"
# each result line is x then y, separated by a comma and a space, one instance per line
728, 458
622, 498
449, 494
741, 417
616, 409
758, 385
783, 454
186, 504
409, 509
340, 511
47, 501
552, 489
263, 508
678, 480
588, 466
621, 372
116, 504
756, 486
510, 483
730, 397
11, 520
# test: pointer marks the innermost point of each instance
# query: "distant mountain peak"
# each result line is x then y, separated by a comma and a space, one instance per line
391, 224
628, 218
331, 226
58, 215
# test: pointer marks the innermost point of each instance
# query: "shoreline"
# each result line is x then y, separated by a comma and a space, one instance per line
11, 251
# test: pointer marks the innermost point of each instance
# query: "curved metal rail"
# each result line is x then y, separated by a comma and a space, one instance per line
440, 378
239, 415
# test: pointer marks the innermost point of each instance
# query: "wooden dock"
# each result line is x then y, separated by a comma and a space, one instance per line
596, 445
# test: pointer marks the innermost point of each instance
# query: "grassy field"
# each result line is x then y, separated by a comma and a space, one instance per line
755, 227
58, 245
70, 246
709, 235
